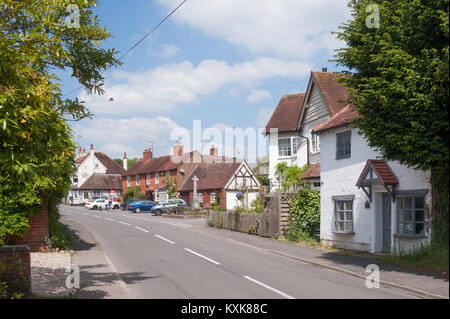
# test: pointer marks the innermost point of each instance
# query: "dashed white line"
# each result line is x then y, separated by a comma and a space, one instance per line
111, 220
85, 214
199, 255
124, 223
161, 237
96, 216
144, 230
268, 287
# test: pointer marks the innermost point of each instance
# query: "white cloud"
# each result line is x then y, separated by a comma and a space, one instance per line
168, 51
287, 28
258, 95
263, 116
125, 135
163, 88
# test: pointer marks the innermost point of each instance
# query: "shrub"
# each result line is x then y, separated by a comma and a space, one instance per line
257, 205
133, 192
304, 215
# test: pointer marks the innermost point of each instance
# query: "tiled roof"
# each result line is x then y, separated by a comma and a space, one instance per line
158, 164
312, 172
80, 160
344, 117
112, 167
286, 115
383, 171
102, 181
335, 93
211, 176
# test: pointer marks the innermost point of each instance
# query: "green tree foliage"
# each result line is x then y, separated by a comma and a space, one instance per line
36, 147
401, 86
290, 175
304, 215
133, 193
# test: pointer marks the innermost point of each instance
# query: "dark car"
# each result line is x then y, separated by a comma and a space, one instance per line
124, 205
141, 206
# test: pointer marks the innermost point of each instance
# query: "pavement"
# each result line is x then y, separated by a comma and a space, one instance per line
48, 274
126, 255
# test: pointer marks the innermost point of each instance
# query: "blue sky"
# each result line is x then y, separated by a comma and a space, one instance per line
224, 62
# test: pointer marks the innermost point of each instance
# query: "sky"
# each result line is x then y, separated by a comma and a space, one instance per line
226, 63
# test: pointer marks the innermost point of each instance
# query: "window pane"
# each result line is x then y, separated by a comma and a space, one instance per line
400, 203
340, 205
341, 226
419, 229
349, 205
341, 216
419, 217
419, 202
408, 216
408, 203
349, 227
348, 216
408, 228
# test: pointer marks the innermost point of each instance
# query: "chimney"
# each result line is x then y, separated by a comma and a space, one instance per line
92, 148
324, 69
148, 155
125, 161
214, 151
177, 149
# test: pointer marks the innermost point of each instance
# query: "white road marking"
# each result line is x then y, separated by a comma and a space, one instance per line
96, 216
268, 287
206, 258
85, 214
144, 230
111, 220
169, 241
124, 223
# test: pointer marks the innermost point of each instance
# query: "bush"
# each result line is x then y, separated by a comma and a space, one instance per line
304, 215
257, 205
133, 192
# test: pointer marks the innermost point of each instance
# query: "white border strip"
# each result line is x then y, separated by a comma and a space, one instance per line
268, 287
144, 230
161, 237
206, 258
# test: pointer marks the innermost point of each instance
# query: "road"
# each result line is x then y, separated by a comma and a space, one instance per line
183, 258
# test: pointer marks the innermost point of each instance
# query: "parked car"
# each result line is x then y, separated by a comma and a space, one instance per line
124, 205
101, 203
175, 205
141, 206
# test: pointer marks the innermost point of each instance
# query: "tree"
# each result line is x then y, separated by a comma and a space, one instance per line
36, 148
400, 86
290, 175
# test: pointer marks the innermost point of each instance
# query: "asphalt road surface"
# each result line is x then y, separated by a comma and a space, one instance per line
183, 258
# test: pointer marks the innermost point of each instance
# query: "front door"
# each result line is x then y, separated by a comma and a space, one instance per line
386, 222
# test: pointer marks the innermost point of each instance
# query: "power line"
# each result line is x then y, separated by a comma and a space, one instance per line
139, 42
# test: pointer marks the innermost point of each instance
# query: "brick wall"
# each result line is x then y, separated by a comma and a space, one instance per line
15, 268
37, 237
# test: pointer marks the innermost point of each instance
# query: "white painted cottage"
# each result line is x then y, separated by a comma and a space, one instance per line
95, 174
368, 203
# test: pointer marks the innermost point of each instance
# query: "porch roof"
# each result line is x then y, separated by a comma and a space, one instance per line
383, 171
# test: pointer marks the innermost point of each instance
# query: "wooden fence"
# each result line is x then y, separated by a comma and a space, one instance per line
270, 223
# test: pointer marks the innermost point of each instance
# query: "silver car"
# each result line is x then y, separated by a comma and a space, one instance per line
175, 205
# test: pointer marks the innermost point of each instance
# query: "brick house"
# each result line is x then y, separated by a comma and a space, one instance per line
219, 182
151, 174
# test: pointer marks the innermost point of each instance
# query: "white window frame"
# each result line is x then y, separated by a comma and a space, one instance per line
129, 181
315, 142
148, 179
292, 150
213, 197
402, 210
157, 178
200, 197
137, 180
341, 218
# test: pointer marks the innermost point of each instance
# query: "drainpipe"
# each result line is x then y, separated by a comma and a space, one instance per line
307, 148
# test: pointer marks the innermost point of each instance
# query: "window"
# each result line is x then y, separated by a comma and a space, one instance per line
343, 145
411, 216
200, 197
343, 216
148, 179
284, 147
128, 181
213, 197
137, 180
315, 143
96, 165
74, 179
168, 175
75, 194
296, 141
156, 178
316, 184
86, 195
